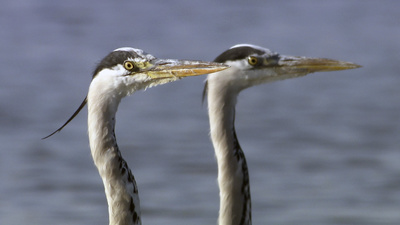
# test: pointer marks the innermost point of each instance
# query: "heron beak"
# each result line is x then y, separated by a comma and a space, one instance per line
305, 65
172, 68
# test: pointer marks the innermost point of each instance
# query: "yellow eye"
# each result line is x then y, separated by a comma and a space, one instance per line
253, 60
129, 65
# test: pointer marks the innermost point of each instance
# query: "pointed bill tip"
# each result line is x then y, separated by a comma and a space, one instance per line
195, 68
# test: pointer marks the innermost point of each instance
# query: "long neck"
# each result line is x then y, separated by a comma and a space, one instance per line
233, 176
119, 183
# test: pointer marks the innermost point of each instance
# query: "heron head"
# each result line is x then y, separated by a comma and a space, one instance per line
251, 65
126, 70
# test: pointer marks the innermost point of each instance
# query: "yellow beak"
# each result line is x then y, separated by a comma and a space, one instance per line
295, 64
172, 68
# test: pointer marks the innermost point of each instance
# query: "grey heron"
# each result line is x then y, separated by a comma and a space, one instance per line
250, 65
119, 74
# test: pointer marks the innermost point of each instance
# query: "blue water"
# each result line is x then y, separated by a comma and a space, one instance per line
323, 149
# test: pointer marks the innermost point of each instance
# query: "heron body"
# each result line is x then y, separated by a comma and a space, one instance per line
119, 74
250, 65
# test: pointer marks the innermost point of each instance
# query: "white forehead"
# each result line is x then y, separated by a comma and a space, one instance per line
139, 52
266, 50
130, 49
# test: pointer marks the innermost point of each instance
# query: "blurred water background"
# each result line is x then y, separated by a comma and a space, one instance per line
322, 149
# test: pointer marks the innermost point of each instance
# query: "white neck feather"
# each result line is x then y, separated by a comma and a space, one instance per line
119, 183
235, 208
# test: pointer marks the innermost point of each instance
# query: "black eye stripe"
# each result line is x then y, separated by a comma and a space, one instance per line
238, 53
115, 58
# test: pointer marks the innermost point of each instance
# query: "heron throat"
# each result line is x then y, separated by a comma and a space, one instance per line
119, 183
233, 175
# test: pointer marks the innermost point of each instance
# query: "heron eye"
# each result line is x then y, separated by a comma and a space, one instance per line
253, 60
129, 65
